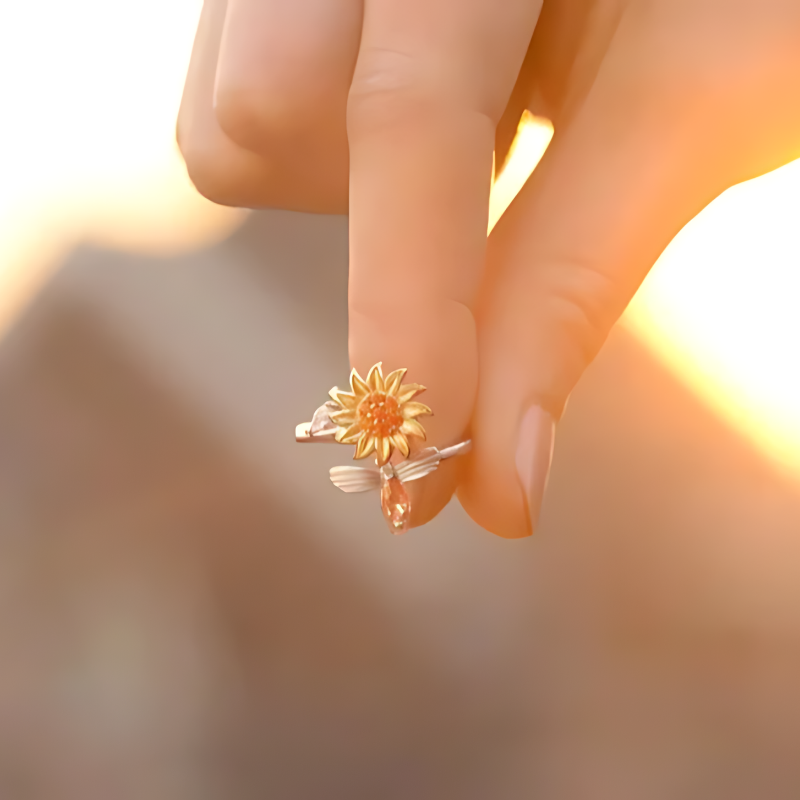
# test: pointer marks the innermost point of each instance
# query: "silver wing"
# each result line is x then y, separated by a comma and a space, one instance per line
359, 479
355, 479
422, 464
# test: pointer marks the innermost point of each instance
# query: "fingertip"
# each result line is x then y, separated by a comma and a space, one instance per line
506, 475
490, 525
494, 498
432, 493
436, 346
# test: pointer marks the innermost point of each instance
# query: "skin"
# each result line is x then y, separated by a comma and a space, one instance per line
392, 109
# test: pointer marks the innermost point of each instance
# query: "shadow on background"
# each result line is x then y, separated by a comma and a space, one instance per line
190, 610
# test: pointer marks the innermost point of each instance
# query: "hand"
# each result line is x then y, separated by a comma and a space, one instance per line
659, 105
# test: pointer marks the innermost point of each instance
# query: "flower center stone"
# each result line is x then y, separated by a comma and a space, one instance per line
379, 415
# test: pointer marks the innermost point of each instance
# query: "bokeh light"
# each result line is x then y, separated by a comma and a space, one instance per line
87, 152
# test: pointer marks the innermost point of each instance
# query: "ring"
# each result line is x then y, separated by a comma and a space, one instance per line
379, 415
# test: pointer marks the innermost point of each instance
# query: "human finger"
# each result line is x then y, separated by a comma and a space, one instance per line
430, 83
619, 180
270, 161
282, 82
220, 170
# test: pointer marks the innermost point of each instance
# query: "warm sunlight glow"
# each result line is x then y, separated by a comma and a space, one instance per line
90, 95
721, 308
533, 136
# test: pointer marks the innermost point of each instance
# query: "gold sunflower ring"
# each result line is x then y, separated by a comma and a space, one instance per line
379, 415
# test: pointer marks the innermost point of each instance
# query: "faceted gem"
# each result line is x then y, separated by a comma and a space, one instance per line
395, 505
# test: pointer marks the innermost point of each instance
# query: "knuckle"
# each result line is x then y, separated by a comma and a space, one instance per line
369, 307
205, 166
228, 176
207, 179
382, 71
391, 87
583, 302
383, 80
200, 164
557, 318
386, 85
274, 106
255, 114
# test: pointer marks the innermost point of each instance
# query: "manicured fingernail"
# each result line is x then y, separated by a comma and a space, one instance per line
534, 454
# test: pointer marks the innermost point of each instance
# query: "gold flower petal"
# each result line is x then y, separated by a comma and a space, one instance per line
401, 443
409, 390
409, 410
348, 435
366, 431
359, 385
412, 428
366, 444
346, 416
375, 378
393, 380
344, 399
384, 449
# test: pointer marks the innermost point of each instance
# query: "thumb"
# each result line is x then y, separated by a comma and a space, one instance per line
613, 189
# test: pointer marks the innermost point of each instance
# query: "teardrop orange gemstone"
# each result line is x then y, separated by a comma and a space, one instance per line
395, 505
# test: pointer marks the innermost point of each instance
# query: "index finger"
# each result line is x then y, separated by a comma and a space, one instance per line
431, 81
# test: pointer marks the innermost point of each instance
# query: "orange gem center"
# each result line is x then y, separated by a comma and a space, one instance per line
379, 415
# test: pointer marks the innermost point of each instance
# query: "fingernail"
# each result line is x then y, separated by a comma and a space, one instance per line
534, 454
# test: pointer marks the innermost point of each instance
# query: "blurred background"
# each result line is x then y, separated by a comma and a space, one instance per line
188, 608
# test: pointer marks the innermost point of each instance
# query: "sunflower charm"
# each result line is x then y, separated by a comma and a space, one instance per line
379, 415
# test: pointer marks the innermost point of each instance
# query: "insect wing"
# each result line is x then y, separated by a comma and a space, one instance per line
423, 463
355, 479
